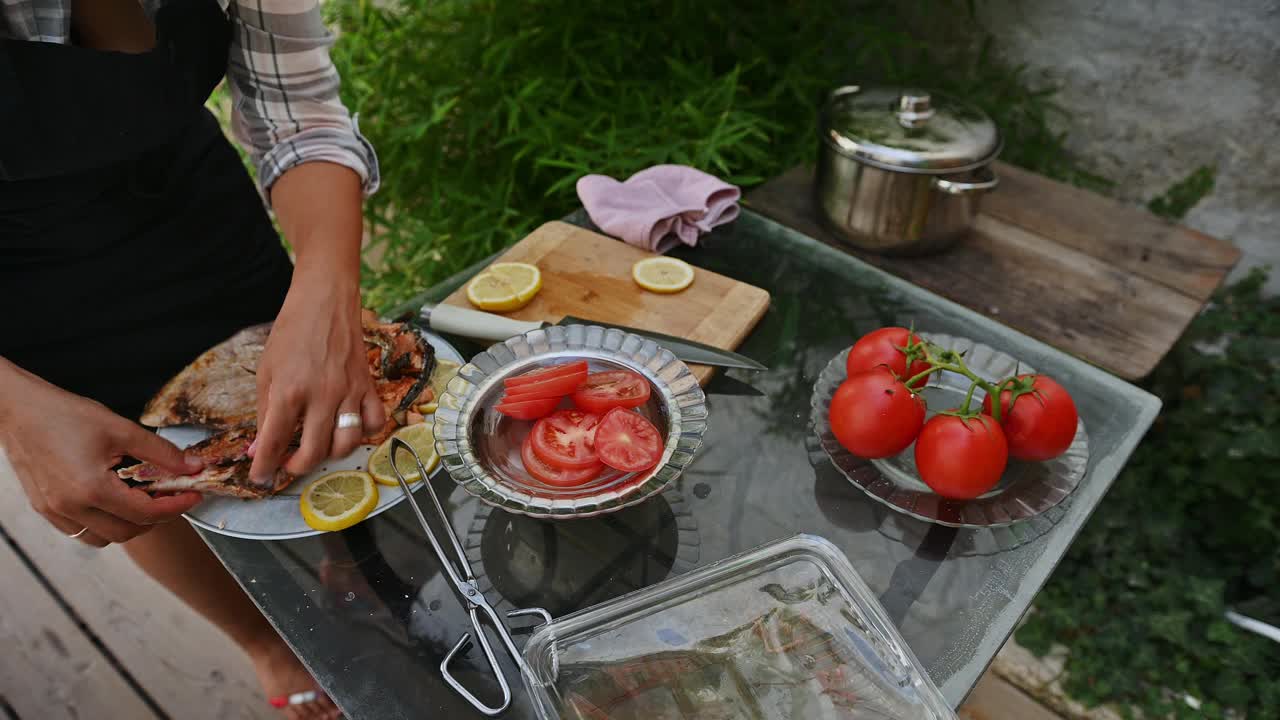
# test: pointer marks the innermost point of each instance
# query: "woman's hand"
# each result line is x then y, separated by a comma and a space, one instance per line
314, 369
63, 447
315, 366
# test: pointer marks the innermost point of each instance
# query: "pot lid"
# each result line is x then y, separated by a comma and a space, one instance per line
909, 130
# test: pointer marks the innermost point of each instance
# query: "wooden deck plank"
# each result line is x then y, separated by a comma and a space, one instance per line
189, 667
995, 699
1041, 678
52, 670
1108, 283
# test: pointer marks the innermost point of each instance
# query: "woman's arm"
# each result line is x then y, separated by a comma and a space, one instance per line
314, 367
285, 93
314, 169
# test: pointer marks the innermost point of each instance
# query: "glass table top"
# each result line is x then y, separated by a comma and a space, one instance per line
371, 613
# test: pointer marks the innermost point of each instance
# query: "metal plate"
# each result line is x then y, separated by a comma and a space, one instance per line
480, 448
1026, 490
278, 517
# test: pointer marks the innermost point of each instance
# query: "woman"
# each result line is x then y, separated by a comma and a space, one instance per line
132, 239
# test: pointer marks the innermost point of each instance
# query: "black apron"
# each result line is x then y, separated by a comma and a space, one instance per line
131, 237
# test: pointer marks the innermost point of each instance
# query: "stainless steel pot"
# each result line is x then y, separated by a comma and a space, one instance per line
902, 172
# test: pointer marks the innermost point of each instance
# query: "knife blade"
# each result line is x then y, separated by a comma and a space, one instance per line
479, 325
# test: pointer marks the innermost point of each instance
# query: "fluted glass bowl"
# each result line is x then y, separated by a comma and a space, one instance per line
480, 447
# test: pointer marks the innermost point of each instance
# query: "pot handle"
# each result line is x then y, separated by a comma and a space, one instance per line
986, 180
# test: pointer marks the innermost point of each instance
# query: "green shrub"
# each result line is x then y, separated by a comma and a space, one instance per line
486, 113
1190, 528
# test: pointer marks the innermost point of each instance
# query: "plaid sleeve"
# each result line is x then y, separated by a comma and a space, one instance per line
285, 92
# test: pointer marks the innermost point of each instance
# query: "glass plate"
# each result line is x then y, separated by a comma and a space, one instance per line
833, 490
1026, 490
788, 630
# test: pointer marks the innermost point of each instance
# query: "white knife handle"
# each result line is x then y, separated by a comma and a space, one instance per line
475, 324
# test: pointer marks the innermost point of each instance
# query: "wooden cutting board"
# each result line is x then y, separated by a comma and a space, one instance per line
588, 275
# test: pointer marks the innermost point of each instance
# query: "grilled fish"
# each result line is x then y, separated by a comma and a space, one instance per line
219, 389
226, 470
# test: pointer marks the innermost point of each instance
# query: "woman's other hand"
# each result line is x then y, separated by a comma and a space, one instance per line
63, 448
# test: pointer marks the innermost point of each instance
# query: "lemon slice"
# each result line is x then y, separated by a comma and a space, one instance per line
662, 274
525, 278
505, 287
422, 439
444, 371
339, 500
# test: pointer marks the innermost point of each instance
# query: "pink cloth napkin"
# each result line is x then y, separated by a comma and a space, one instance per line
659, 206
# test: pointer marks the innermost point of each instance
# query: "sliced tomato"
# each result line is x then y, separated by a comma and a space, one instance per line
553, 475
558, 386
604, 391
528, 409
565, 439
626, 441
545, 373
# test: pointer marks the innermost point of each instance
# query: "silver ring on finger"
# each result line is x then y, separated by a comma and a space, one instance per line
349, 420
83, 530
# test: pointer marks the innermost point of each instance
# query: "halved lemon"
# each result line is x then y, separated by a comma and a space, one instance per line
422, 439
504, 287
662, 274
339, 500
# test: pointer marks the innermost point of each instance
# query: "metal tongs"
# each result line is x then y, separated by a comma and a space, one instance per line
464, 582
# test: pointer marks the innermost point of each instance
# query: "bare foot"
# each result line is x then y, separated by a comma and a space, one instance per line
282, 674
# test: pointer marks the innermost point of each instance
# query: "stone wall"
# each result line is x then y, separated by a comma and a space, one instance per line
1156, 89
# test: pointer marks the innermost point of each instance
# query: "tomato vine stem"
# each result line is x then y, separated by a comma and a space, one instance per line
950, 361
968, 397
942, 360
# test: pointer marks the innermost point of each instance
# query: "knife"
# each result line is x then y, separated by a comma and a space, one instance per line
479, 325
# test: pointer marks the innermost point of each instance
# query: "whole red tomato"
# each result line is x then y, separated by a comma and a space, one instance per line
882, 347
1042, 423
874, 415
961, 458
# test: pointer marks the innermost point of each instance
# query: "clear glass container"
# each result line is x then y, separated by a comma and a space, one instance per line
787, 631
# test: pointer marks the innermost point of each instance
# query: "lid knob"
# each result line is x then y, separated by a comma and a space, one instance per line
914, 108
